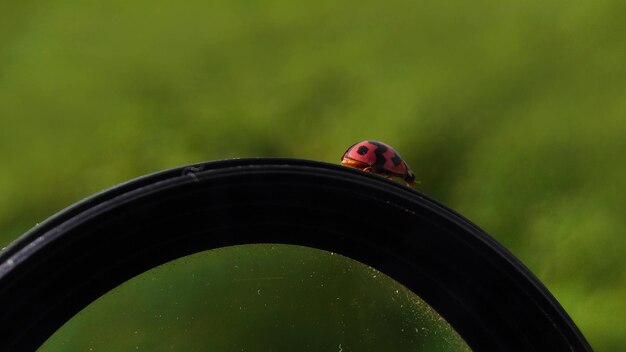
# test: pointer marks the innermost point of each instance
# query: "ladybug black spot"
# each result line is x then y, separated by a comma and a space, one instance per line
396, 160
380, 150
362, 150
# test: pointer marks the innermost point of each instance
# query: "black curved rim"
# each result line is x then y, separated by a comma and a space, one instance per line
481, 289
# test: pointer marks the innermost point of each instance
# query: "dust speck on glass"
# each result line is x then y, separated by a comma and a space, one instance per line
259, 297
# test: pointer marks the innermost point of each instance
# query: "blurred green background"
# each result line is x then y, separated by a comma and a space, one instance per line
514, 114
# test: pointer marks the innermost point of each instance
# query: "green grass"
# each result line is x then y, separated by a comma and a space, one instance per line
513, 114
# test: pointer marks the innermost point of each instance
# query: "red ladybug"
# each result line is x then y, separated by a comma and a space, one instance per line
379, 158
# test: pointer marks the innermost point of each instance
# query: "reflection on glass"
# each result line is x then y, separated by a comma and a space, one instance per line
258, 298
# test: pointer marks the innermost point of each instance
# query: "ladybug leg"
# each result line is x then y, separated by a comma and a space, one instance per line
386, 174
411, 183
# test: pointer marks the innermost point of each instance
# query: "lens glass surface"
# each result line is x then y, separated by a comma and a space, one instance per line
258, 298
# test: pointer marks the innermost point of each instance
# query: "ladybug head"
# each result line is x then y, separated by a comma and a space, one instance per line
409, 177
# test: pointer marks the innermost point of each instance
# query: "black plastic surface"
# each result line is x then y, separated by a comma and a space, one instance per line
487, 295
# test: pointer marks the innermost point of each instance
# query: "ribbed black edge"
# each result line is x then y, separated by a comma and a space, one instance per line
69, 260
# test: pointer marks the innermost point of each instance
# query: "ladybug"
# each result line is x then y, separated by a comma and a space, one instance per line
379, 158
